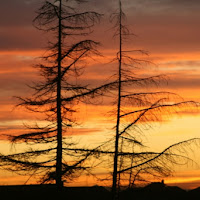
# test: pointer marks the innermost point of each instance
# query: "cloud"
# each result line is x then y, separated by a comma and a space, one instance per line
16, 30
16, 72
184, 82
104, 6
20, 38
163, 7
18, 12
82, 131
160, 25
163, 26
188, 64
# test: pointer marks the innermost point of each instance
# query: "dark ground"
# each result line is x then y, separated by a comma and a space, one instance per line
154, 191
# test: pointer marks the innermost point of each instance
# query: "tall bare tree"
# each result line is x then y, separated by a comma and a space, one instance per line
137, 107
57, 94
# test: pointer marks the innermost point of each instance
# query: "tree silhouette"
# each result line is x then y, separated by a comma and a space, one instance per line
57, 93
137, 106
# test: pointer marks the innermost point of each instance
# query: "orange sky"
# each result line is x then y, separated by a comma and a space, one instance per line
169, 30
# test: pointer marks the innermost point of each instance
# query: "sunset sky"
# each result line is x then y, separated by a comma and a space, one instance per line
168, 29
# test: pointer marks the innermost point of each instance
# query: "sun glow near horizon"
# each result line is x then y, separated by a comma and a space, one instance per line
97, 125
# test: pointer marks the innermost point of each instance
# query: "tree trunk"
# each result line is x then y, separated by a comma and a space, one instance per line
59, 117
115, 170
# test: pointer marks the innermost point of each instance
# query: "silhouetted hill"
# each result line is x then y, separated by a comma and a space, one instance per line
195, 193
50, 191
154, 191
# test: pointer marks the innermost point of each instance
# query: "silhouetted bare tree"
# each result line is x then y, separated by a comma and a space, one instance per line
137, 106
56, 94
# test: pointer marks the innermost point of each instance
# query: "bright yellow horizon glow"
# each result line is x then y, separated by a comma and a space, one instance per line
95, 124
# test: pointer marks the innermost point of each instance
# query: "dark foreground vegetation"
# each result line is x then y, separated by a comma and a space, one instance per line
158, 191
